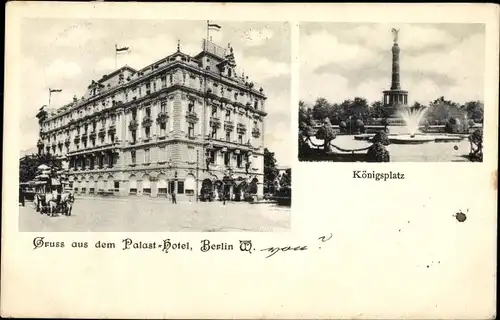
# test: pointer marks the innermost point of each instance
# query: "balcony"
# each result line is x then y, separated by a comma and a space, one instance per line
40, 144
67, 142
146, 122
191, 117
84, 136
133, 125
215, 122
77, 139
255, 132
228, 125
102, 132
112, 129
92, 135
162, 118
241, 128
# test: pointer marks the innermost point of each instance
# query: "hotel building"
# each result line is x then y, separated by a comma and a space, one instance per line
179, 124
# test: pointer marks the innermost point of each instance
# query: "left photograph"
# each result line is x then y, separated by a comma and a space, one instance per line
154, 125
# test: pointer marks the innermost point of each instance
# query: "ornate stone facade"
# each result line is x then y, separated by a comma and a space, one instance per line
177, 124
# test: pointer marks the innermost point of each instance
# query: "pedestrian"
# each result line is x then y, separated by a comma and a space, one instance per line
173, 197
21, 196
224, 195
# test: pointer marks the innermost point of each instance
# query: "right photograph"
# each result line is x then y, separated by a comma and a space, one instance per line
373, 92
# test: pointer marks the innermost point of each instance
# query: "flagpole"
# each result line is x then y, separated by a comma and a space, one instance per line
50, 94
116, 53
208, 32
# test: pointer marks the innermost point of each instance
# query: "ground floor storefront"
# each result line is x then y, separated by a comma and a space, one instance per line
186, 183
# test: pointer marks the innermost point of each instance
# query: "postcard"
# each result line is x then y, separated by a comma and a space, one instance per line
152, 146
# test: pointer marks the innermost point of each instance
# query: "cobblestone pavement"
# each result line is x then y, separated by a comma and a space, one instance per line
150, 215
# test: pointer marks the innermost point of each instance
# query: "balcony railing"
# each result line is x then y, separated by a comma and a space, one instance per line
162, 118
191, 117
255, 132
133, 125
242, 128
228, 125
146, 122
102, 132
215, 122
92, 135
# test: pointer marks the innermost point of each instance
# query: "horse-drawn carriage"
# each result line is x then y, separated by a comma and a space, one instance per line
52, 196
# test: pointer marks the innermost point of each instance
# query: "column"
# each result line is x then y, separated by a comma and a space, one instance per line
125, 119
139, 124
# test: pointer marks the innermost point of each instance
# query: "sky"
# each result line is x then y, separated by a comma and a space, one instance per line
340, 61
68, 54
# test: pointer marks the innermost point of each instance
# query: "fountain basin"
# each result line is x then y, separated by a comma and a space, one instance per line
411, 139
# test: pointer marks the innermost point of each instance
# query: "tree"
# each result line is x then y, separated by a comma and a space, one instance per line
475, 110
286, 178
320, 109
270, 170
326, 133
377, 109
28, 165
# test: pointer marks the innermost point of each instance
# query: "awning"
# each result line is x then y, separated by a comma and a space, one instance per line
43, 167
55, 182
238, 183
43, 176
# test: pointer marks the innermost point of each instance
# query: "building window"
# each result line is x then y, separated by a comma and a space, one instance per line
236, 96
170, 78
239, 160
163, 129
227, 158
191, 130
117, 185
256, 105
228, 136
148, 88
240, 139
214, 133
134, 137
148, 112
163, 81
132, 153
163, 106
134, 114
147, 131
213, 156
191, 106
161, 154
146, 156
255, 124
180, 187
214, 111
228, 115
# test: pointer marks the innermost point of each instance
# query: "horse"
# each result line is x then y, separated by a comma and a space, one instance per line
52, 201
67, 200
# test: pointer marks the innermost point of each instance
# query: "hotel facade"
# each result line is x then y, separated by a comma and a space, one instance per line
184, 123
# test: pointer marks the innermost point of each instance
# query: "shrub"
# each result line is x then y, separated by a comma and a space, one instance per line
377, 153
382, 138
326, 131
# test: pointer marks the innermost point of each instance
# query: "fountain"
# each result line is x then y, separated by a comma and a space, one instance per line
412, 117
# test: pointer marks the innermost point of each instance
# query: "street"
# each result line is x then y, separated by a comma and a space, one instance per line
156, 215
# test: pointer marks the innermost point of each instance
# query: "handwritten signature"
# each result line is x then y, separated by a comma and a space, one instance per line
273, 250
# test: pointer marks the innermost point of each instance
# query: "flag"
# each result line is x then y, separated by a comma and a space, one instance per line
214, 26
55, 90
121, 49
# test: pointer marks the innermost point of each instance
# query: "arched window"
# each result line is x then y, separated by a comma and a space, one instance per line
162, 184
132, 185
189, 185
146, 185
